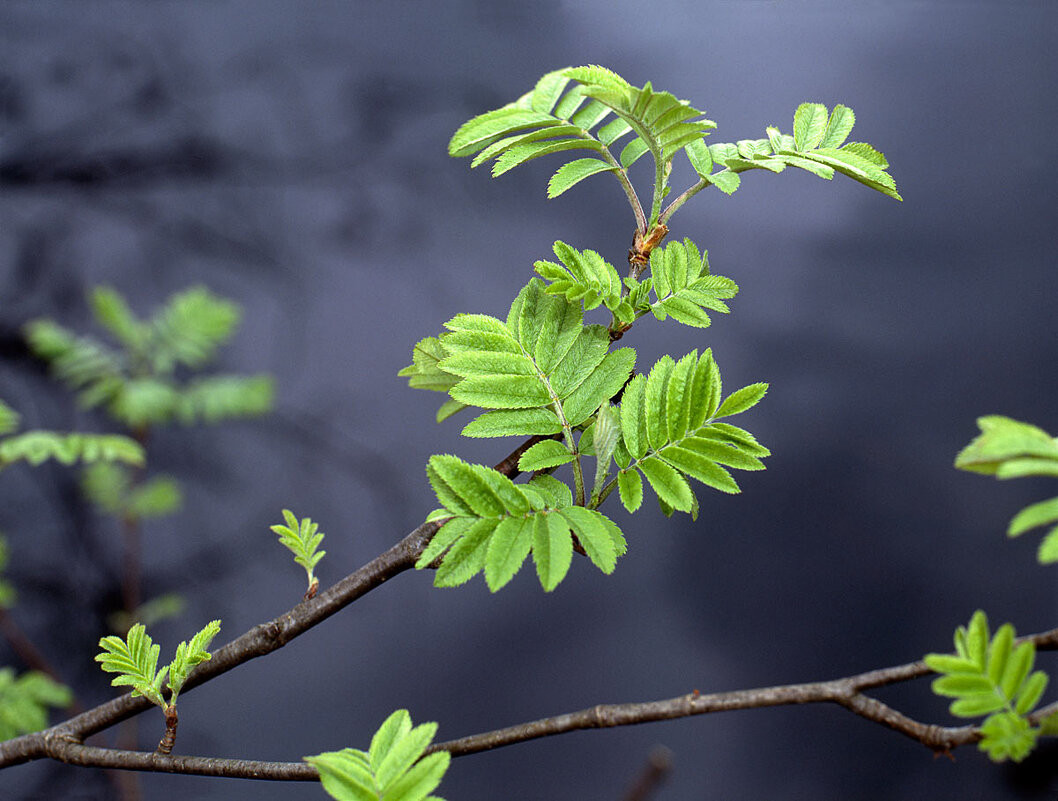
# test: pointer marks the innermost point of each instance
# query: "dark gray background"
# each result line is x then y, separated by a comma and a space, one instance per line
292, 156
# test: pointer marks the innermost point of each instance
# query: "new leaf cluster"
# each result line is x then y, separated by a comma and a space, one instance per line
680, 281
1007, 448
993, 676
135, 660
302, 539
392, 769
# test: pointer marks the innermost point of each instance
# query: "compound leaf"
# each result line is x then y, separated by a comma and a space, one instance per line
494, 524
992, 676
670, 432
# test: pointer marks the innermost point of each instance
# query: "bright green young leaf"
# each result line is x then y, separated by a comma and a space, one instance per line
818, 146
992, 676
110, 488
1047, 554
630, 485
1007, 736
565, 112
670, 486
581, 276
135, 660
113, 313
303, 540
188, 655
157, 497
394, 769
552, 549
509, 547
190, 327
212, 399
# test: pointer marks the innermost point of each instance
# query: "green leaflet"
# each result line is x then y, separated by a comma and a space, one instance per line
394, 768
600, 385
513, 423
226, 397
1007, 448
670, 429
810, 123
684, 286
542, 455
496, 524
573, 172
990, 675
630, 486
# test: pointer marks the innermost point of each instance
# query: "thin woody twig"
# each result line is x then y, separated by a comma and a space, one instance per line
846, 692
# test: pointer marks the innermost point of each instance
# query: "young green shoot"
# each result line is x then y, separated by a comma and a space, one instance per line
302, 539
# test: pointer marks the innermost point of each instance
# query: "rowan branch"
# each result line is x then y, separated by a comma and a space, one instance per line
847, 692
74, 753
258, 641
